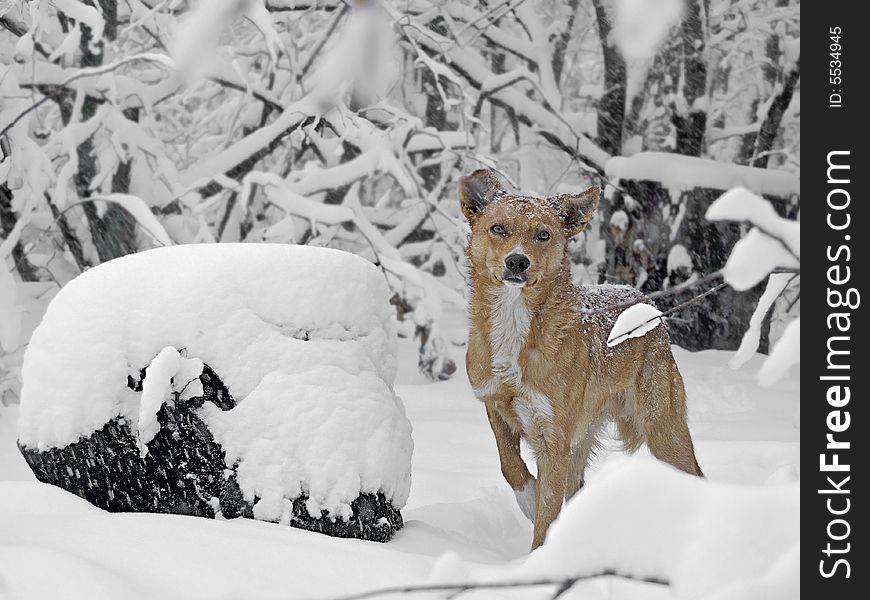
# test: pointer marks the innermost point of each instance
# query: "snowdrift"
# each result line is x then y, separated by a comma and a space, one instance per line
707, 540
230, 379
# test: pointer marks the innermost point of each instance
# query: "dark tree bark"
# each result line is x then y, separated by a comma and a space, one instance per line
772, 121
436, 112
763, 145
772, 73
113, 233
7, 223
73, 244
611, 107
561, 45
691, 125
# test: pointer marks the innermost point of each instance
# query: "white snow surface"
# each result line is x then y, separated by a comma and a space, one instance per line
345, 434
635, 321
679, 172
303, 337
461, 520
641, 27
785, 354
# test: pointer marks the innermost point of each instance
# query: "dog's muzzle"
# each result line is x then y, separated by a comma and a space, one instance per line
516, 269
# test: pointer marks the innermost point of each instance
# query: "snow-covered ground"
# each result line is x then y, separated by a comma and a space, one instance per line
461, 518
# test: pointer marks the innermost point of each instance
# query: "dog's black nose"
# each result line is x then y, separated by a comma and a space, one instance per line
517, 263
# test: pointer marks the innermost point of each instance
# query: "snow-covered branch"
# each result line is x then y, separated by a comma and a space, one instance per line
771, 247
542, 116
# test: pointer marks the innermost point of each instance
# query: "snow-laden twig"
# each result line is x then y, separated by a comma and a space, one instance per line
326, 36
772, 247
635, 321
139, 211
776, 285
160, 59
548, 123
785, 354
621, 336
677, 289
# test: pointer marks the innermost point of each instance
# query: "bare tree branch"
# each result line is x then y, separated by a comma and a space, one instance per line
561, 585
549, 124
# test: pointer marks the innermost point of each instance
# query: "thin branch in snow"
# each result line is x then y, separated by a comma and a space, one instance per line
660, 294
88, 72
548, 123
562, 585
507, 5
316, 51
627, 334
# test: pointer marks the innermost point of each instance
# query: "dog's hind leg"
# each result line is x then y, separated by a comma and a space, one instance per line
662, 397
553, 459
580, 457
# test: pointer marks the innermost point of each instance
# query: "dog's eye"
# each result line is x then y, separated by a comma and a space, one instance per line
498, 229
543, 236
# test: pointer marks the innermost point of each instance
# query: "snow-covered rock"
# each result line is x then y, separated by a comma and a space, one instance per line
279, 360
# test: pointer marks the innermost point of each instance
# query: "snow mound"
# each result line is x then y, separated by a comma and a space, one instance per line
302, 337
348, 433
706, 539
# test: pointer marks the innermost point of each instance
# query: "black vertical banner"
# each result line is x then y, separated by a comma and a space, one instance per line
835, 181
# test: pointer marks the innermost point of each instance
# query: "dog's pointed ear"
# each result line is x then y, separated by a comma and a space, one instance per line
476, 191
576, 210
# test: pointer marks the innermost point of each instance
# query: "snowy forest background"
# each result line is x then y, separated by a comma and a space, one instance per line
130, 124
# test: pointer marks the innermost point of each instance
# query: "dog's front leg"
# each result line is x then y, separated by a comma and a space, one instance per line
513, 467
553, 456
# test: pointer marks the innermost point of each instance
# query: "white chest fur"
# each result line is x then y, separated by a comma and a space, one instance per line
509, 325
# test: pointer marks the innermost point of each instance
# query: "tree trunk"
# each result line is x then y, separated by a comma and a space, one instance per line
7, 223
113, 233
561, 45
611, 107
772, 121
690, 120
